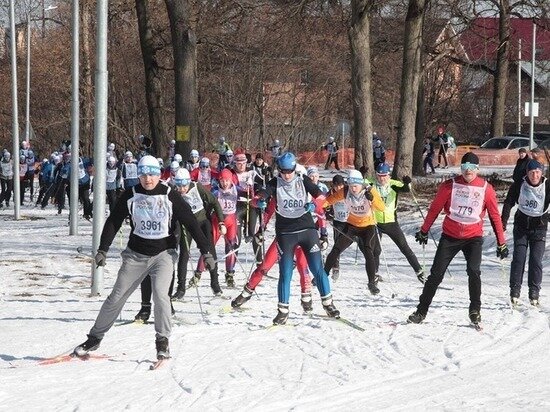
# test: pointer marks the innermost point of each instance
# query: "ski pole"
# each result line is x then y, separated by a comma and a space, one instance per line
313, 154
200, 303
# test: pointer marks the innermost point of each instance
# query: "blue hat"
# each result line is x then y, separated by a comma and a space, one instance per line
534, 164
287, 161
383, 169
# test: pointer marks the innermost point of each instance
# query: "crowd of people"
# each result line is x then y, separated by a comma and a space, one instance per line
170, 204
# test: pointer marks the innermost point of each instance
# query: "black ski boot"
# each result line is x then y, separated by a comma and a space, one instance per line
282, 314
163, 352
416, 317
335, 274
243, 297
144, 313
215, 285
329, 307
373, 288
194, 281
229, 279
180, 293
91, 344
474, 316
307, 302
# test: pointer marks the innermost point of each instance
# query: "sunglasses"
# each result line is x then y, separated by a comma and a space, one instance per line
286, 171
468, 166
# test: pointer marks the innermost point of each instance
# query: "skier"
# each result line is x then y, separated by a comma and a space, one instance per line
465, 200
294, 226
443, 139
6, 178
532, 195
204, 174
31, 171
154, 210
128, 170
332, 149
112, 182
339, 215
520, 170
23, 176
193, 162
313, 174
428, 152
276, 150
361, 202
386, 220
171, 150
378, 153
222, 149
269, 260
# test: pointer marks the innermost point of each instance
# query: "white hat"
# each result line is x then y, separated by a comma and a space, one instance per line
148, 165
182, 177
178, 158
174, 166
312, 170
194, 153
355, 177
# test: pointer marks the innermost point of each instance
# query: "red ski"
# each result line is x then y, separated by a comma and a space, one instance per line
70, 357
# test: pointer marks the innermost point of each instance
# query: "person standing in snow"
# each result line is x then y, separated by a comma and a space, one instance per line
532, 195
6, 178
332, 153
465, 200
154, 210
386, 220
294, 227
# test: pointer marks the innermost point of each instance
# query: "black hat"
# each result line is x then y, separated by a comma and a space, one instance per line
470, 158
259, 156
338, 180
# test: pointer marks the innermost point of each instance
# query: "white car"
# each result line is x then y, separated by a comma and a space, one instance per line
507, 142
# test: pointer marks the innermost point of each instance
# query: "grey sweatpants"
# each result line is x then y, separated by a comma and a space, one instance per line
135, 267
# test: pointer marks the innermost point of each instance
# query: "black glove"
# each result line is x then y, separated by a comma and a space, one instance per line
421, 237
406, 180
323, 242
502, 251
100, 258
209, 261
259, 237
368, 194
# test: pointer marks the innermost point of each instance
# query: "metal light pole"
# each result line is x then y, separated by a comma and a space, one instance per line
100, 139
519, 87
532, 104
75, 120
15, 114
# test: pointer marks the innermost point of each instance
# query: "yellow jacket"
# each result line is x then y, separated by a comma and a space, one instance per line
361, 213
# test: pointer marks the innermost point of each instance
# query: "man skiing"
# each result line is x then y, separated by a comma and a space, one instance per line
465, 200
332, 149
153, 209
532, 195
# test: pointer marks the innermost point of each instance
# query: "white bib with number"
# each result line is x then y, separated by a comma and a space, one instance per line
151, 215
358, 205
340, 211
193, 199
228, 200
130, 171
467, 203
81, 170
531, 199
111, 175
7, 169
205, 177
291, 198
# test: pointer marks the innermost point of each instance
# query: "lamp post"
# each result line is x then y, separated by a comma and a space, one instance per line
15, 114
28, 79
75, 120
532, 103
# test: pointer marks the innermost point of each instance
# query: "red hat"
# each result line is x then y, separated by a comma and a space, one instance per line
226, 175
240, 156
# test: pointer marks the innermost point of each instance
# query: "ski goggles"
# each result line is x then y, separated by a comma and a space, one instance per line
287, 171
468, 166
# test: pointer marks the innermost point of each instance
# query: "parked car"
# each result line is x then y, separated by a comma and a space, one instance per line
545, 144
506, 142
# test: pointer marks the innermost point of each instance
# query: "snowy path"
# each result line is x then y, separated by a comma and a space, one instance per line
231, 362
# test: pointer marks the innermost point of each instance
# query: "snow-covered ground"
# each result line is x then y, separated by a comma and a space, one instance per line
230, 361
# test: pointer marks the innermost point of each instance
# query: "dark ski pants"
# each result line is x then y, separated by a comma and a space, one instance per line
535, 241
7, 189
442, 153
332, 158
308, 240
446, 250
247, 218
368, 244
428, 161
135, 267
396, 235
338, 229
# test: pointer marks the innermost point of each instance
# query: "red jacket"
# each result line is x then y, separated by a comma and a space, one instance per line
457, 230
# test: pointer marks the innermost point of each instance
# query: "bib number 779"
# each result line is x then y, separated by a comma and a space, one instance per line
465, 210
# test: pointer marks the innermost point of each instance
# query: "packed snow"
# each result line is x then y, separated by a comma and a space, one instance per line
233, 361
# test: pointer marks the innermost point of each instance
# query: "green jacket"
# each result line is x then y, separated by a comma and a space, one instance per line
389, 195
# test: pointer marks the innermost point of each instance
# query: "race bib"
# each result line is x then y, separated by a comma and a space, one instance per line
193, 199
291, 198
228, 200
531, 199
467, 203
151, 215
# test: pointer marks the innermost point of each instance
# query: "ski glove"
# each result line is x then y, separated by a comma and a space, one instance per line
502, 251
323, 242
209, 261
421, 237
223, 229
406, 180
310, 207
261, 204
100, 258
368, 194
259, 237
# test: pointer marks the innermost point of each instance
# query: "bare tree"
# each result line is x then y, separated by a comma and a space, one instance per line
410, 84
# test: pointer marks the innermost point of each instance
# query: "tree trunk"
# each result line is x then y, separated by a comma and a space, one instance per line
184, 49
359, 38
87, 84
153, 85
501, 71
420, 131
410, 83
